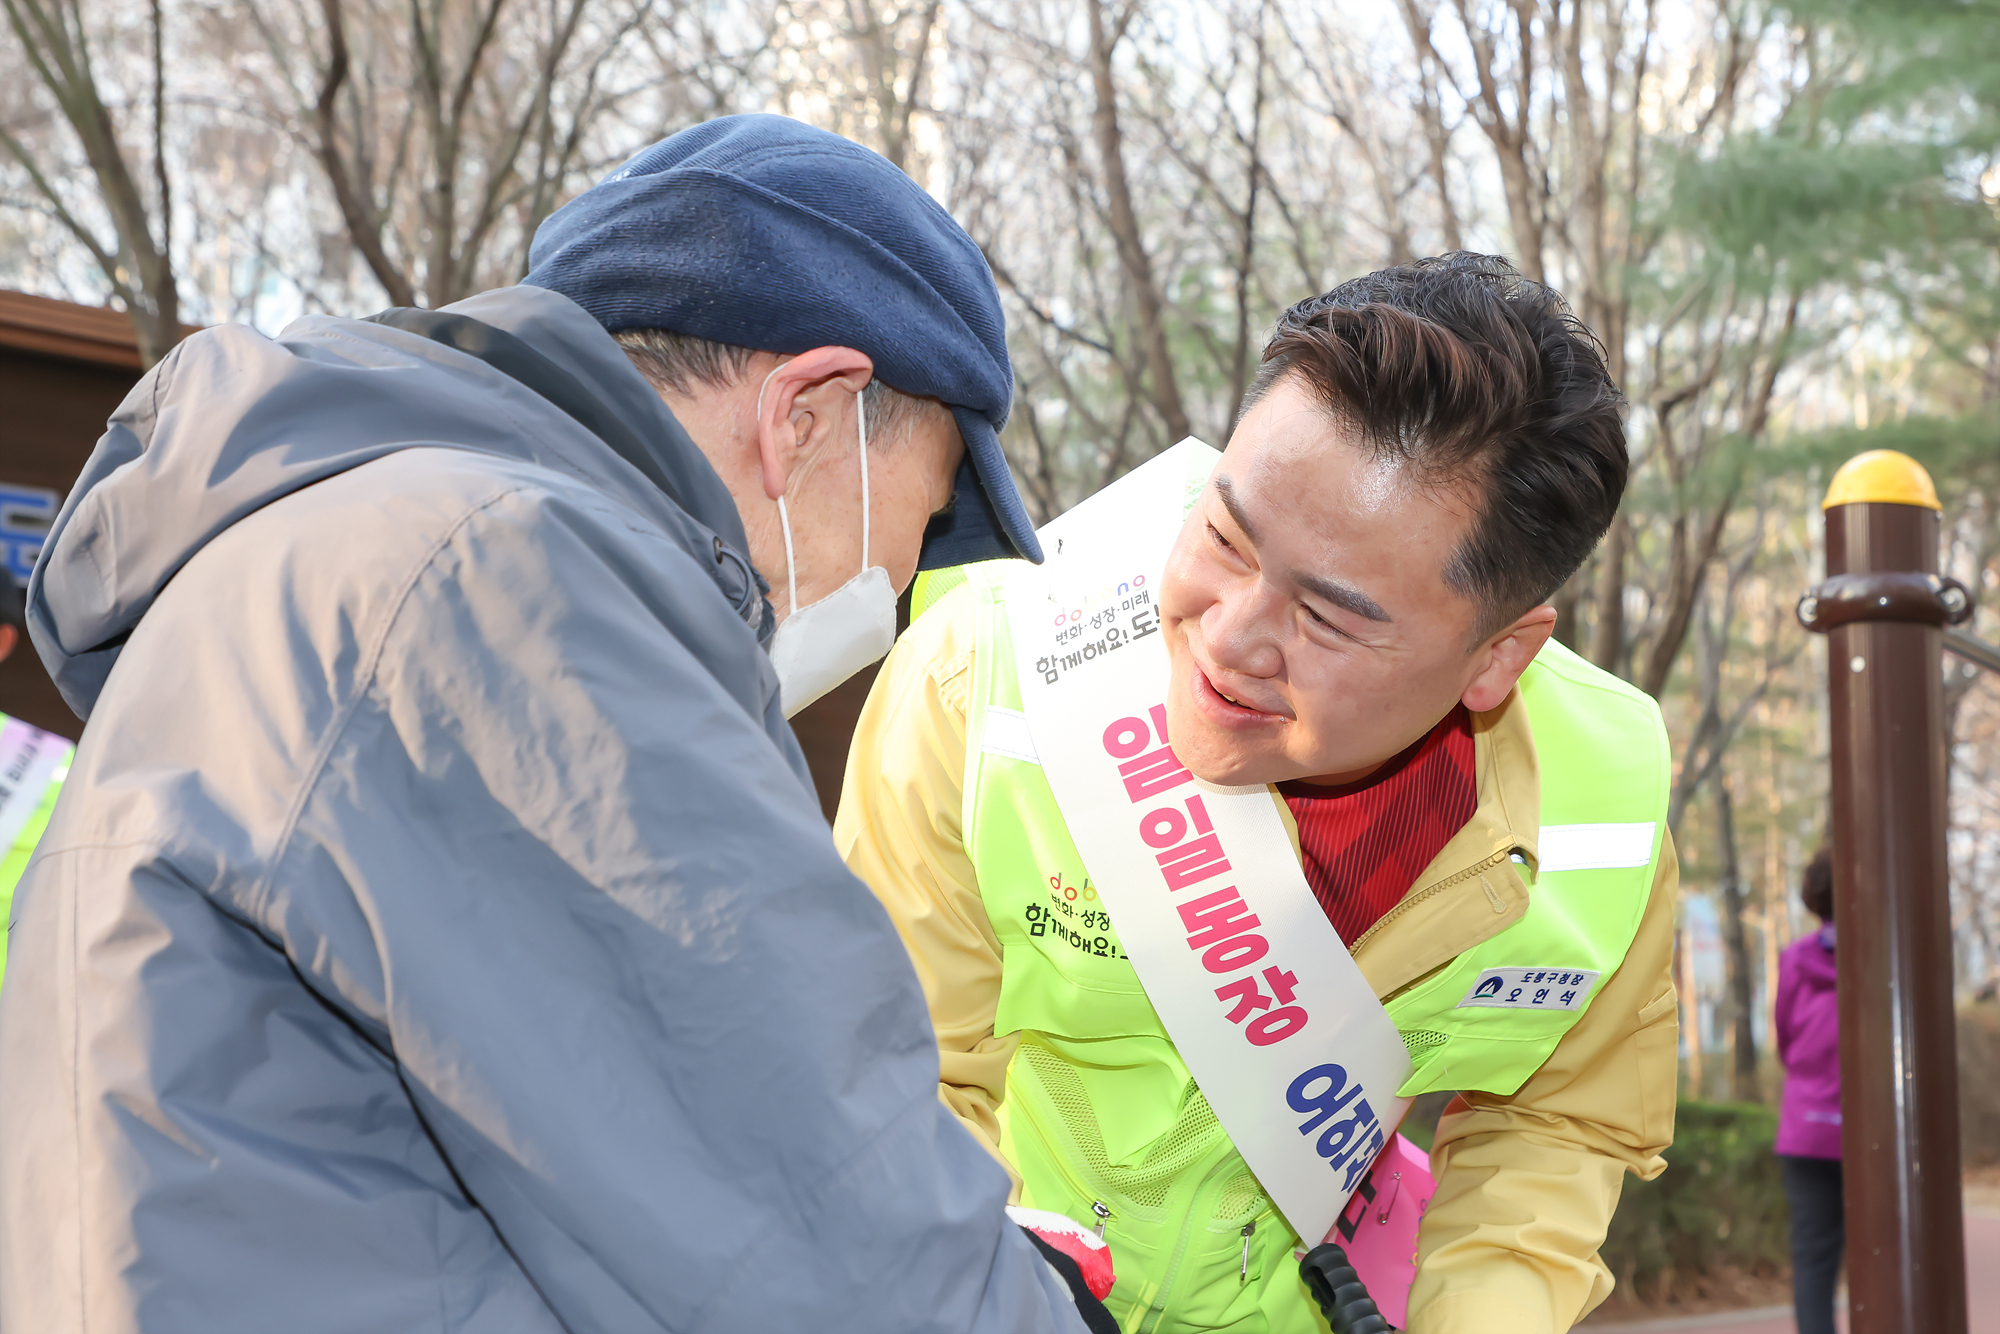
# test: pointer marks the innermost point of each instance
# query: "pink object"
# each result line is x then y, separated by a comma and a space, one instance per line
1073, 1239
1378, 1228
1808, 1024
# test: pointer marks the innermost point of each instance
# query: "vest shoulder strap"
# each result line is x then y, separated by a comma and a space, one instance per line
930, 586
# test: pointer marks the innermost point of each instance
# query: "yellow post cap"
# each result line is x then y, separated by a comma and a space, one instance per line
1882, 477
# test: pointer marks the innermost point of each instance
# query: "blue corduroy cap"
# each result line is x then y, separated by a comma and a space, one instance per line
763, 232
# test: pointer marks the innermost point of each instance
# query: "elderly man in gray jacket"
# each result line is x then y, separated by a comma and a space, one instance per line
437, 931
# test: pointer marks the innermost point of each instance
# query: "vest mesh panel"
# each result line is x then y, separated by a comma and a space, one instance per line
1242, 1199
1137, 1192
1421, 1042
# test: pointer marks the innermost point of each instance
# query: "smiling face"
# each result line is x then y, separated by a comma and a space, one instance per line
1305, 607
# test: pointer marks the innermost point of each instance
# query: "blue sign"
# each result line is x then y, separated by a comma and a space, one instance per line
26, 514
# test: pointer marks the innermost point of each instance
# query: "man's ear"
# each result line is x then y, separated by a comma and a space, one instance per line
793, 405
1505, 656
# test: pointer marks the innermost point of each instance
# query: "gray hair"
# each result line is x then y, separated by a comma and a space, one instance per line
681, 362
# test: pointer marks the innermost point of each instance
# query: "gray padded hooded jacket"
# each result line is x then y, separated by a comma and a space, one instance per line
437, 931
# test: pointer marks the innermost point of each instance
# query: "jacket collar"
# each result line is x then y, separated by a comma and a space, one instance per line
550, 345
1473, 889
626, 412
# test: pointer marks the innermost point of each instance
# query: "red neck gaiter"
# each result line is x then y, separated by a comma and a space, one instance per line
1366, 843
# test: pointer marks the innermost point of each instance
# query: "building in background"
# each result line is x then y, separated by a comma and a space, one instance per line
63, 370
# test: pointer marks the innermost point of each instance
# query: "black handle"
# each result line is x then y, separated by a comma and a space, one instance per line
1339, 1292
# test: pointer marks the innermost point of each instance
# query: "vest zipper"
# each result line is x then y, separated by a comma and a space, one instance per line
1248, 1229
1146, 1320
1151, 1318
1414, 899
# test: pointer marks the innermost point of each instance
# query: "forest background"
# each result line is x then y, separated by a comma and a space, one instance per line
1783, 220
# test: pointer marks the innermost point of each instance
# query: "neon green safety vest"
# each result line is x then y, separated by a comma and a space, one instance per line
1101, 1118
15, 860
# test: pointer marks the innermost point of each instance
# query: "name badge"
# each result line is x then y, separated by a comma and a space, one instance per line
1532, 988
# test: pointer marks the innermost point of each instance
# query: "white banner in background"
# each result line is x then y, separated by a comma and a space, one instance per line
1283, 1034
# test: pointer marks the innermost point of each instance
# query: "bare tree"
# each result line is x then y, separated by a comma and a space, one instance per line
1742, 977
1142, 289
136, 256
446, 132
1112, 148
1430, 112
1338, 85
862, 69
894, 50
1705, 465
1235, 141
1503, 100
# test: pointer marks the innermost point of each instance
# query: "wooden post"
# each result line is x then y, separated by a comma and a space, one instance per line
1883, 608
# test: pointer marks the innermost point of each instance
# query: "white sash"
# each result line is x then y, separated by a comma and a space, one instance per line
30, 759
1285, 1037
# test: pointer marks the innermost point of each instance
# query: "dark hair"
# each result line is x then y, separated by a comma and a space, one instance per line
1472, 374
1816, 885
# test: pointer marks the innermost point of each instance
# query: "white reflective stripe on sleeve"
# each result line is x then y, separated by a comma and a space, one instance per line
1595, 847
1007, 734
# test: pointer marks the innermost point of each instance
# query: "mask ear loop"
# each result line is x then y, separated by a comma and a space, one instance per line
861, 415
785, 519
791, 567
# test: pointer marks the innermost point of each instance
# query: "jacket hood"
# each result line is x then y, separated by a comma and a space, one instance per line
1812, 959
231, 420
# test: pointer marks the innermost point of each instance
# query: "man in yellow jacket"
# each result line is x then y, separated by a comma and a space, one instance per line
1355, 611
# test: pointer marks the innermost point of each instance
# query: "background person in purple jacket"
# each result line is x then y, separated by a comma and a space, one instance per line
1808, 1017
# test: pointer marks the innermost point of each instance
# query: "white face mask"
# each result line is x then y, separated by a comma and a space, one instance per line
820, 645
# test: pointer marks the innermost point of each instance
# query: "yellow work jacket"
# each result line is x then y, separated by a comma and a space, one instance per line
1526, 1184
